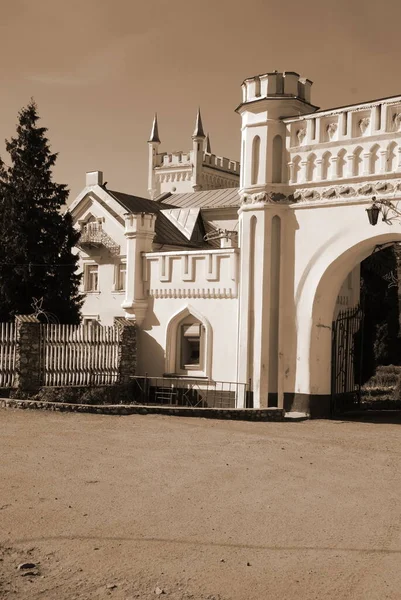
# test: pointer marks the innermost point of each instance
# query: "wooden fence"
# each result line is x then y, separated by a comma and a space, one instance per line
79, 354
8, 348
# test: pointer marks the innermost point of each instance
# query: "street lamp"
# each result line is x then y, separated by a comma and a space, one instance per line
382, 206
373, 212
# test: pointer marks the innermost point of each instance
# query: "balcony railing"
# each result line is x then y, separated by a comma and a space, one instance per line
93, 235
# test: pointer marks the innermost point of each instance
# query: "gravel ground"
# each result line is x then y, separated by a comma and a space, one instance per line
146, 506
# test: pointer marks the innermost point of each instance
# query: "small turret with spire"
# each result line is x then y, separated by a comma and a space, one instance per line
153, 143
198, 138
154, 134
207, 144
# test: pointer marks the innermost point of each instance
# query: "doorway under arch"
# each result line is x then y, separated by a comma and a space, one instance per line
315, 335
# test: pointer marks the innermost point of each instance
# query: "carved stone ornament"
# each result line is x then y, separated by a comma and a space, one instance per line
307, 195
346, 191
330, 193
331, 130
364, 124
384, 188
397, 121
266, 197
301, 133
366, 190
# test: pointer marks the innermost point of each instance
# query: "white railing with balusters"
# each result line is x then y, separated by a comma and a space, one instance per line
79, 355
8, 349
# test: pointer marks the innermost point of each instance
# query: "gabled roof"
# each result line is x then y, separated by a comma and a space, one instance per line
209, 199
167, 232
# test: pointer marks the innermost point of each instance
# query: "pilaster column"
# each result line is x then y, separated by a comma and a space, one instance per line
291, 172
333, 168
366, 163
383, 161
350, 165
302, 171
319, 169
398, 160
139, 233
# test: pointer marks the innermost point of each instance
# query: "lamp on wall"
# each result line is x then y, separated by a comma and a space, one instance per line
382, 206
373, 212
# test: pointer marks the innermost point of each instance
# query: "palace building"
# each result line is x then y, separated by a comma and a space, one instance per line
234, 271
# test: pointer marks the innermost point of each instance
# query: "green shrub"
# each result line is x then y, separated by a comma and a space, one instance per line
70, 395
108, 394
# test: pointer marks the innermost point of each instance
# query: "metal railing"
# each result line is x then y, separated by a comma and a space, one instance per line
192, 392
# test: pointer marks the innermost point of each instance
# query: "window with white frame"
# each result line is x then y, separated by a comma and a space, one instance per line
91, 278
191, 346
91, 320
119, 277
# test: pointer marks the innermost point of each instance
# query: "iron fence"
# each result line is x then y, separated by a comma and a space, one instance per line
347, 347
192, 392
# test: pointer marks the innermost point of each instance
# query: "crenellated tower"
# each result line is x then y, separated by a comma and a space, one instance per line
264, 228
266, 100
194, 170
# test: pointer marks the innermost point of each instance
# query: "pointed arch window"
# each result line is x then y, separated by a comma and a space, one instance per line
255, 160
189, 344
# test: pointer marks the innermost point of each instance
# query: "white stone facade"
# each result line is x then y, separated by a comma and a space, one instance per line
254, 300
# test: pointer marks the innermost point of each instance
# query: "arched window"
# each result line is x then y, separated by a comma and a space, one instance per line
255, 160
189, 344
311, 167
357, 161
296, 167
391, 157
341, 162
277, 159
373, 166
326, 163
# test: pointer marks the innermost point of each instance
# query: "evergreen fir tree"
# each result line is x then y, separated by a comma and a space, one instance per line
36, 240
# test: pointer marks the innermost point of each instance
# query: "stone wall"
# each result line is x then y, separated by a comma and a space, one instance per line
28, 356
131, 409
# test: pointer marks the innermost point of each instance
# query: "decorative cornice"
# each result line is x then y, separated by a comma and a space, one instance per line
347, 191
265, 198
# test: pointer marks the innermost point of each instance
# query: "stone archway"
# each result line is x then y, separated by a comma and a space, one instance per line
318, 300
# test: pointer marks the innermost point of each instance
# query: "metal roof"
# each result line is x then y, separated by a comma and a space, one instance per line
166, 232
209, 199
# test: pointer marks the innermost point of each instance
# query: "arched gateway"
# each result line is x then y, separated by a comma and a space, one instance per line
267, 265
294, 287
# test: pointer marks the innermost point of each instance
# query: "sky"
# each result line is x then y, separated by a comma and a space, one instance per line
100, 69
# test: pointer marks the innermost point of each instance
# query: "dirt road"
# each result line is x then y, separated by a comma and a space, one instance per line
146, 506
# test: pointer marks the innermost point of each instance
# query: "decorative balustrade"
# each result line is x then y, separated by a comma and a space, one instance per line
93, 235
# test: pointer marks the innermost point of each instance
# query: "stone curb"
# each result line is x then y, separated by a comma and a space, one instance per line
243, 414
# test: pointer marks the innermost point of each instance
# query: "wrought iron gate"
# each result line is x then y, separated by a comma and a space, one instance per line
347, 352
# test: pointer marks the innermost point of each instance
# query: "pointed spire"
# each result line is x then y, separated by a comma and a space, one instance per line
198, 127
208, 147
154, 134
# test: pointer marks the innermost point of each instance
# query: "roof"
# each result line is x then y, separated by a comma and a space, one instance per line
166, 232
209, 199
135, 203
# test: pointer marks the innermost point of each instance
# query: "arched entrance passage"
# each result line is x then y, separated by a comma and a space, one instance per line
317, 298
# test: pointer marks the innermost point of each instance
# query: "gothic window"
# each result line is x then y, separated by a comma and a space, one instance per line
191, 346
255, 160
277, 158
